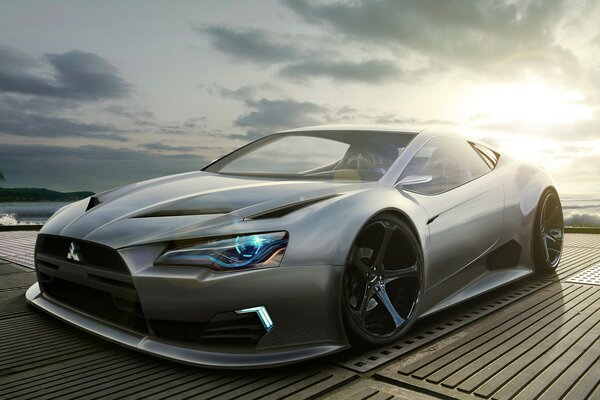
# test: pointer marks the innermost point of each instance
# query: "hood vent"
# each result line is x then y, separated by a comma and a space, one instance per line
283, 211
184, 212
94, 201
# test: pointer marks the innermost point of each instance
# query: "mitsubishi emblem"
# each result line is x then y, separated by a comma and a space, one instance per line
75, 253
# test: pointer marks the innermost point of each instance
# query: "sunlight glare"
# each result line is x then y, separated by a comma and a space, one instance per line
530, 103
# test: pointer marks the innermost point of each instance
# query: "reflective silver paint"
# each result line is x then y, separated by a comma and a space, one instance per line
456, 229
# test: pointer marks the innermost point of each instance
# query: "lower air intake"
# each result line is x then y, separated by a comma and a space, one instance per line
120, 311
223, 328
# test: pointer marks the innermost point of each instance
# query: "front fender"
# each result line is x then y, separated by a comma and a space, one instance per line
330, 232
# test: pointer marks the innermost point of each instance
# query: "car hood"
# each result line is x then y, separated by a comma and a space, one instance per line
153, 209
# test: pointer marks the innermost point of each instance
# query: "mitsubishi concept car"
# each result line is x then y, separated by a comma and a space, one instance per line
297, 245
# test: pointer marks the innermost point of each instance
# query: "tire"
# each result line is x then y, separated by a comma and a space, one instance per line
548, 233
382, 284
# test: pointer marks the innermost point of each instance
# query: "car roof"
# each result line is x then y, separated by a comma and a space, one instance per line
423, 132
356, 128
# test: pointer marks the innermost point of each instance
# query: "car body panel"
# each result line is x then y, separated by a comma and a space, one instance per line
464, 225
457, 230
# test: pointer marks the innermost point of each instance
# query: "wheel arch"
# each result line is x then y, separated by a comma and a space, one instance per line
393, 211
535, 264
404, 217
549, 187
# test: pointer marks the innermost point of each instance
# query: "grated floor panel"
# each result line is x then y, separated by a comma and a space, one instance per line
519, 354
537, 337
17, 247
590, 276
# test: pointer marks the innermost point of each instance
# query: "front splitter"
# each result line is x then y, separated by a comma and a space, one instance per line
198, 356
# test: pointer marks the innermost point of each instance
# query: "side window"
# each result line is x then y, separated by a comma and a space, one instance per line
449, 161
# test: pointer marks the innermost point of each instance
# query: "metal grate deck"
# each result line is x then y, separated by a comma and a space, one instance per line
546, 346
432, 328
116, 373
590, 276
537, 337
17, 247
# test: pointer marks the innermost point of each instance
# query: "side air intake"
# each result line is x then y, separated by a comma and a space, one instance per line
505, 256
283, 211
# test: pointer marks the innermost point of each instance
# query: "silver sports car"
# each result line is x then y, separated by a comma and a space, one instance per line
297, 245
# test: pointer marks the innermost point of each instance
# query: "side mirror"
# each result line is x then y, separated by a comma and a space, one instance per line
414, 180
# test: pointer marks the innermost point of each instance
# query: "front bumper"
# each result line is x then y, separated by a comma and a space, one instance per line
169, 312
206, 355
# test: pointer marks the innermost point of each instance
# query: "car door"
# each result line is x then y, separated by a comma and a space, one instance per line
465, 204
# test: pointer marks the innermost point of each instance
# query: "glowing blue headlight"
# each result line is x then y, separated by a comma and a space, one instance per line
248, 251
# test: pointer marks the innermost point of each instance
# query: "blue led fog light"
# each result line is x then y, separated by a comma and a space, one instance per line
262, 313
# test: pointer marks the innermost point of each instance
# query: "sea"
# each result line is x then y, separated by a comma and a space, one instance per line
28, 213
581, 209
578, 209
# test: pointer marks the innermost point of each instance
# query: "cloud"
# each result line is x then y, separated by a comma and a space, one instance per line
158, 146
38, 104
21, 118
145, 121
268, 116
242, 93
396, 119
195, 122
87, 167
370, 71
298, 58
32, 98
587, 129
249, 44
582, 172
491, 36
14, 122
76, 75
13, 61
123, 111
350, 115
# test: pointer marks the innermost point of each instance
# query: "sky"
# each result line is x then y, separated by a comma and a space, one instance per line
95, 95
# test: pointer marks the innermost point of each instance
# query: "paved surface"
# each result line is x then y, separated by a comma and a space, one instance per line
535, 338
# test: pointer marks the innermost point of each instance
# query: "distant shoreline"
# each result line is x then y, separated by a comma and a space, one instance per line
39, 201
18, 195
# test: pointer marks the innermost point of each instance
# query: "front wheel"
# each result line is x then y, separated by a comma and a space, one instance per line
548, 233
382, 283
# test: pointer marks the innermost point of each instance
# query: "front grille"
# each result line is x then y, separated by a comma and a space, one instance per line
99, 284
123, 312
223, 328
95, 255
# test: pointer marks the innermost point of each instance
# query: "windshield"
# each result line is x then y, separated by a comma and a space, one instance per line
345, 155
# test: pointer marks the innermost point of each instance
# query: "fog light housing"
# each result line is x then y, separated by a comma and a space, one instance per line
262, 313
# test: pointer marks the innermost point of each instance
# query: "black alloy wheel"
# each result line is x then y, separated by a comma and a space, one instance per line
548, 235
382, 283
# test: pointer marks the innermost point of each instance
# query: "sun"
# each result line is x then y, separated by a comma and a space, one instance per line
526, 119
527, 103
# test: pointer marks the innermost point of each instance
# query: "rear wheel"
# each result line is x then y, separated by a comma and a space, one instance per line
382, 283
548, 233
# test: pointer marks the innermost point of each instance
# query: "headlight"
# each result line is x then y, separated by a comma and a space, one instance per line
242, 252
